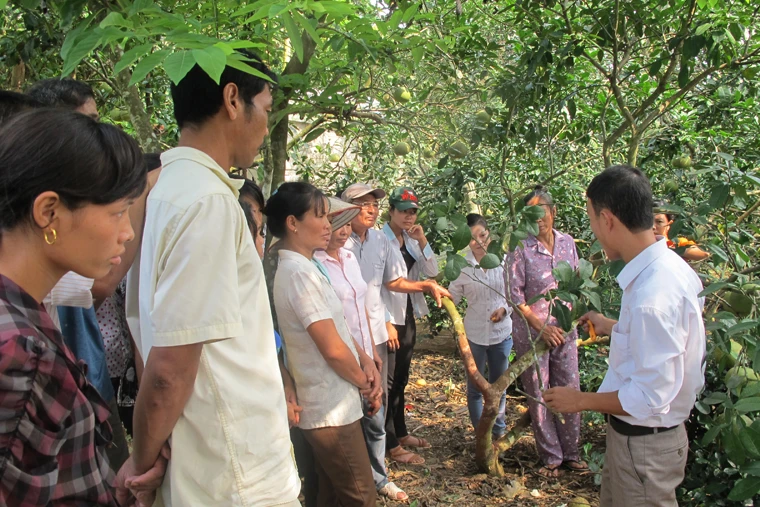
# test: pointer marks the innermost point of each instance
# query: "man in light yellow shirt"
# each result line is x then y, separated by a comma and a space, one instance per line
200, 314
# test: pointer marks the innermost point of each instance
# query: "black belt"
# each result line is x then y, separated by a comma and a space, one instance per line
631, 430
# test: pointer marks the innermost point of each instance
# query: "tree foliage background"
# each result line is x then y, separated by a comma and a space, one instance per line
502, 96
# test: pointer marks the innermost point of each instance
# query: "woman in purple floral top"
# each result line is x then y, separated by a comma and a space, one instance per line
530, 274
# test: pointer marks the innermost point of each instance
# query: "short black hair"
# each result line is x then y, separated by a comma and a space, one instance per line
250, 189
659, 208
61, 92
624, 191
474, 219
292, 198
197, 97
82, 160
152, 161
540, 192
12, 103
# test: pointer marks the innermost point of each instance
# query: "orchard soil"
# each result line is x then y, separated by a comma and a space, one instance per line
437, 411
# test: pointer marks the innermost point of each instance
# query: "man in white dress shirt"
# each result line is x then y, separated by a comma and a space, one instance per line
657, 348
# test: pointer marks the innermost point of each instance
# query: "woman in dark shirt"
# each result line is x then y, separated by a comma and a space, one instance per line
66, 183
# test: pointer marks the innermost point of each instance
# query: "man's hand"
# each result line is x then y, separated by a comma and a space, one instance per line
553, 336
294, 409
393, 343
374, 406
602, 325
498, 315
136, 490
436, 291
564, 400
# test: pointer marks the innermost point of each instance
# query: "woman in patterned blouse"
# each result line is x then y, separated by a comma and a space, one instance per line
530, 274
67, 182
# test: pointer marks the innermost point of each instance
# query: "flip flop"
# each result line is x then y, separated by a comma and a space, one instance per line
575, 465
421, 443
405, 457
550, 472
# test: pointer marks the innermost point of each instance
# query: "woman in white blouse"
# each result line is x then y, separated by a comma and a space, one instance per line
331, 374
488, 329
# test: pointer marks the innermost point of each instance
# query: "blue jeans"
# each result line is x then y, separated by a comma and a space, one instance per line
497, 357
374, 436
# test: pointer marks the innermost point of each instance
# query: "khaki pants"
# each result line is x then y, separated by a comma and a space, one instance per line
643, 470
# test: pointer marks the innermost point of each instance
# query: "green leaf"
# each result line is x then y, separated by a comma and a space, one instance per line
750, 439
709, 437
683, 74
490, 261
83, 47
212, 60
131, 56
455, 263
746, 405
752, 469
71, 38
719, 195
442, 224
585, 269
178, 64
410, 12
714, 399
742, 326
252, 7
3, 3
313, 134
461, 237
563, 316
713, 287
306, 24
147, 64
531, 227
237, 61
294, 33
563, 272
533, 213
594, 299
417, 54
744, 489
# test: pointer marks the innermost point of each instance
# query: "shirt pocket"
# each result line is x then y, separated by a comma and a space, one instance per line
620, 357
378, 268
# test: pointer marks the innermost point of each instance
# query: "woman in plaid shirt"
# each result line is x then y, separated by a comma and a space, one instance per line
67, 182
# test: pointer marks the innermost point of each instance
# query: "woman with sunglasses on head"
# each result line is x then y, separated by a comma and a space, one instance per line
529, 274
331, 374
68, 183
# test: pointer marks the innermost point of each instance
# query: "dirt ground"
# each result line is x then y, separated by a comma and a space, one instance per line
437, 411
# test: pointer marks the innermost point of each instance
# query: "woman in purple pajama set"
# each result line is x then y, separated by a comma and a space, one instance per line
529, 274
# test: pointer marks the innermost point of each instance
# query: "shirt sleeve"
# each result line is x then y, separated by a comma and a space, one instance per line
430, 263
395, 267
573, 253
30, 392
515, 276
72, 290
306, 299
456, 288
196, 296
657, 350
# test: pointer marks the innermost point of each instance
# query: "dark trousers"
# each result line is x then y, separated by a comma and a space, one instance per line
307, 467
345, 474
399, 362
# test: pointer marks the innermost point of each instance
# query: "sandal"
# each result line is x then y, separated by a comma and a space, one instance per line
549, 471
401, 455
410, 441
575, 465
393, 492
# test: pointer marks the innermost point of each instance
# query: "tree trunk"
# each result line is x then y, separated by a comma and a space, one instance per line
486, 456
137, 113
280, 132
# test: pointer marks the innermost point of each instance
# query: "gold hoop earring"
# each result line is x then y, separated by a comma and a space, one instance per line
48, 240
